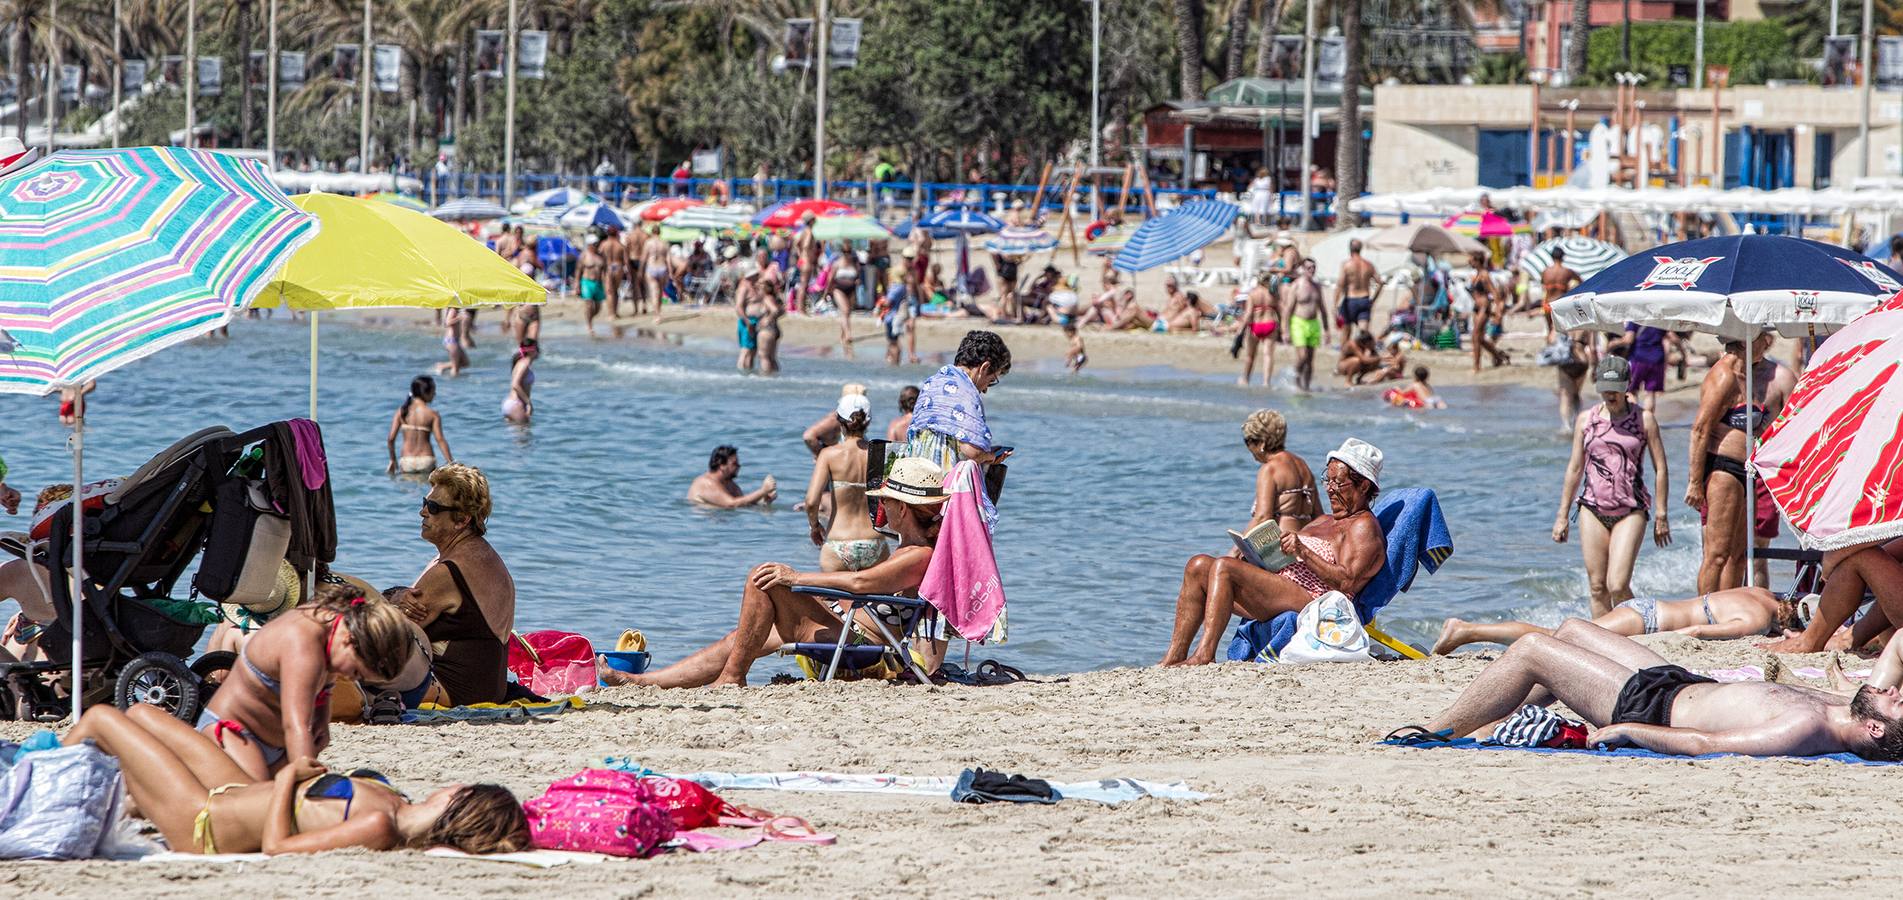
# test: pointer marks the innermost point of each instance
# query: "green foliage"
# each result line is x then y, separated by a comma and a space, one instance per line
1755, 51
1500, 68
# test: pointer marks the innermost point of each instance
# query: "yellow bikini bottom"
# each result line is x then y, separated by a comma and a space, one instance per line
201, 826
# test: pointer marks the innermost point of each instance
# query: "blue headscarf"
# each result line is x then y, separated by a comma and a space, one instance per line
949, 404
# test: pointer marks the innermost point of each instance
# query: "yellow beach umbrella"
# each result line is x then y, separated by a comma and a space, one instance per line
369, 255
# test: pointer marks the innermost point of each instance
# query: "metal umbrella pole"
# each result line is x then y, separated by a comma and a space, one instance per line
79, 564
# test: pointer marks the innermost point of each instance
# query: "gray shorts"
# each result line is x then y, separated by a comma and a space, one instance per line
1648, 610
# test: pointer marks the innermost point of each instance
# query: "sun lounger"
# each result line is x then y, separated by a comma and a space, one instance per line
896, 620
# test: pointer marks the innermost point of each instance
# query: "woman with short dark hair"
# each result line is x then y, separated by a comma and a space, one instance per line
948, 424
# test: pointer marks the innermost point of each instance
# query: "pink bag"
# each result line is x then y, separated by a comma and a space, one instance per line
552, 662
599, 811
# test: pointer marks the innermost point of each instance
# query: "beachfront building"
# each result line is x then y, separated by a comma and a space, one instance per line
1243, 125
1772, 136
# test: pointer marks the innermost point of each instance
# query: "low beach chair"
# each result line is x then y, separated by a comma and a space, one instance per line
895, 619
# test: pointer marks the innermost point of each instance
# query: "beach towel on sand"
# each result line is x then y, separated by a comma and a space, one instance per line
962, 581
1417, 536
1637, 753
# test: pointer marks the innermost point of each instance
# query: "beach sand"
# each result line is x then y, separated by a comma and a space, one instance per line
1302, 798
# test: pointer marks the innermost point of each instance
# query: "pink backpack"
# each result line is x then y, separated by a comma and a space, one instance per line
552, 662
599, 811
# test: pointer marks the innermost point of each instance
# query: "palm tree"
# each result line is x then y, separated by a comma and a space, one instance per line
1189, 48
1348, 129
1237, 44
1576, 42
1265, 42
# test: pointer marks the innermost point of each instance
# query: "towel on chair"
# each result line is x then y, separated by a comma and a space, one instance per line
1417, 536
962, 581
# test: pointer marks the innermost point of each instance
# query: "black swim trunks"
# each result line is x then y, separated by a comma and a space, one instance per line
1647, 696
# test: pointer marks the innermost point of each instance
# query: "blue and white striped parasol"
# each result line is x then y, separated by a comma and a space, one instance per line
1176, 234
1018, 240
961, 220
464, 209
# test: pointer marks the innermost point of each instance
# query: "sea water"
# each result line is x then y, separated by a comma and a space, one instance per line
1119, 477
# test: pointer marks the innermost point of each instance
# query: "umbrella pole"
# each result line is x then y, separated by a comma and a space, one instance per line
313, 365
79, 565
1751, 478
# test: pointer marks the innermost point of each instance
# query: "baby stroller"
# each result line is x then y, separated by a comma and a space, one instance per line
242, 501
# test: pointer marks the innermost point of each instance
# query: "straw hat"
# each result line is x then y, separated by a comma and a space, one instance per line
1361, 456
913, 480
284, 595
15, 155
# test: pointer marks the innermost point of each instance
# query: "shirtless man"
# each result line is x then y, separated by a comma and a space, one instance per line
1717, 616
718, 487
1489, 309
591, 270
1356, 290
1130, 314
1307, 324
1556, 282
1184, 313
1632, 696
806, 249
1173, 300
751, 308
509, 242
654, 271
1261, 320
615, 253
633, 243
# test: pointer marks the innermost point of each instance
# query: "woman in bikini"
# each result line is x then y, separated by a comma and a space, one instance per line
842, 285
1284, 485
1718, 450
203, 803
1339, 552
275, 704
416, 422
453, 344
465, 597
848, 543
1260, 322
517, 407
1605, 481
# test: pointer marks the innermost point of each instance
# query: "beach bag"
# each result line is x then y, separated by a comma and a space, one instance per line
1327, 630
599, 811
552, 662
244, 546
689, 804
64, 803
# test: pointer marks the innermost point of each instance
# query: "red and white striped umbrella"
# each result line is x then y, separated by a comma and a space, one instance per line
1833, 460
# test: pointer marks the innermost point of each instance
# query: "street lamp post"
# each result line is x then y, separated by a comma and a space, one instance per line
508, 111
271, 86
1308, 115
190, 68
366, 59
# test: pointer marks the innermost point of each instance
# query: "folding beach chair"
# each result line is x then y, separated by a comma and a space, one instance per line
895, 619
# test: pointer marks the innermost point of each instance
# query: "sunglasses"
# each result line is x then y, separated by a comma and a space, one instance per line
434, 508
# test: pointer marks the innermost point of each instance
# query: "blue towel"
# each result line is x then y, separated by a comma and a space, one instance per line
1417, 536
1639, 753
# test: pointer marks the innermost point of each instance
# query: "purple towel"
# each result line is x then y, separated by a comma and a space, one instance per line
309, 441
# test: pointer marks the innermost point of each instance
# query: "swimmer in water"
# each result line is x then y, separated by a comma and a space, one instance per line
416, 422
517, 407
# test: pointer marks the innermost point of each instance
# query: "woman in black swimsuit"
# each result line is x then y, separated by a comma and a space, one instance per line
465, 599
1718, 452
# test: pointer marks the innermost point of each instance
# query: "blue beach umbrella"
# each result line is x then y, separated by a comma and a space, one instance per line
595, 215
1175, 234
960, 220
1020, 241
464, 209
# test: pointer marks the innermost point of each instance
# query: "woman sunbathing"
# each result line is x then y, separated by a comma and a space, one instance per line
771, 614
275, 704
1717, 616
202, 802
1339, 552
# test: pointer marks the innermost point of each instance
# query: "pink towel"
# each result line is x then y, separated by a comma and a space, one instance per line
962, 581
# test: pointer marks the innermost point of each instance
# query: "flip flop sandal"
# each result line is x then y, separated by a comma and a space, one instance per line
795, 830
995, 669
743, 816
1417, 736
385, 709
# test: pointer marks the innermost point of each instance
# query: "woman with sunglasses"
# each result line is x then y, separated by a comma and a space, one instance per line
464, 599
1338, 552
275, 704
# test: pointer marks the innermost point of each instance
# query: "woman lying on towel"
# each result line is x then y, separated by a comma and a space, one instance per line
1717, 616
202, 802
771, 614
275, 704
1339, 552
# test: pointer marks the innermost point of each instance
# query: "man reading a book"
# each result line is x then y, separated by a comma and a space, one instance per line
1338, 552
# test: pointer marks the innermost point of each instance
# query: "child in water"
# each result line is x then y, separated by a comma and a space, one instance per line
1417, 395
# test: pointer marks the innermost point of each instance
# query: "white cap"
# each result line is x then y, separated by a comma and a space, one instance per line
853, 403
1361, 456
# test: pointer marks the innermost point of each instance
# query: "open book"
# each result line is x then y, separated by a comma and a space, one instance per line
1262, 546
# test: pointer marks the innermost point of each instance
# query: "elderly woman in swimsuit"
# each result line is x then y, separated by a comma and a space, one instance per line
516, 406
416, 423
1717, 616
465, 597
275, 703
1339, 552
1605, 481
1284, 486
848, 543
1717, 483
204, 803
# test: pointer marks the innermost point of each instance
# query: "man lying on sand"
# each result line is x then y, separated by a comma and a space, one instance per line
1632, 696
772, 615
1717, 616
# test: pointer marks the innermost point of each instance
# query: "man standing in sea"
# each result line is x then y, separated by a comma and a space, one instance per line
1307, 322
616, 254
1355, 290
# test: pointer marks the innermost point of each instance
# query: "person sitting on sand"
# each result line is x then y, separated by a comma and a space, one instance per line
1848, 574
1284, 485
1184, 313
1359, 358
1632, 696
1416, 395
1393, 362
718, 485
465, 597
1338, 552
1717, 616
275, 704
202, 802
771, 614
1131, 315
416, 423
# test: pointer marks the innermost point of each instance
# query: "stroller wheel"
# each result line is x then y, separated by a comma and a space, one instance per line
212, 669
162, 680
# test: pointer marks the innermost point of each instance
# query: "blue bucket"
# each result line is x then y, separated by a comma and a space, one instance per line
633, 662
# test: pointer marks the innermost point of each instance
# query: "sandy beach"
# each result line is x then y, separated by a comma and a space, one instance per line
1302, 799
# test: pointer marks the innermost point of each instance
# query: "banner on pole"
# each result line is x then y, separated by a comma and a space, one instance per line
799, 43
842, 48
211, 76
132, 74
489, 53
343, 62
1331, 61
387, 68
531, 54
290, 69
254, 71
172, 70
1889, 63
1840, 60
1285, 61
68, 83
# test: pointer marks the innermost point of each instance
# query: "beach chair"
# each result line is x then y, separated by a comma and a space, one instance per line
895, 619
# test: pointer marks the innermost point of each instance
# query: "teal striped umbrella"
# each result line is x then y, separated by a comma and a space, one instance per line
107, 256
